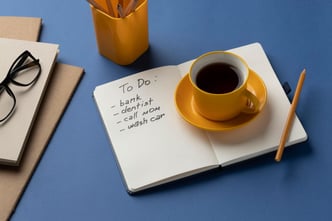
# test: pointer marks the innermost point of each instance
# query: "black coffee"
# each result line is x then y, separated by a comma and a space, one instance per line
217, 78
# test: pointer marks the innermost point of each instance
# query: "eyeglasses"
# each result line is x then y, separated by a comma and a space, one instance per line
24, 72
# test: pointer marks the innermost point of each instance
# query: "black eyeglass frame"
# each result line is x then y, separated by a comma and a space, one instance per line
20, 64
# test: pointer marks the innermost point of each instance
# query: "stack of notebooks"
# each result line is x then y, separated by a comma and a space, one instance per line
25, 135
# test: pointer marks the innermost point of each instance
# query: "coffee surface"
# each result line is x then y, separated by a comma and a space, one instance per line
217, 78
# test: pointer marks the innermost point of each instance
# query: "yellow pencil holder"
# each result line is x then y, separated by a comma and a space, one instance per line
122, 40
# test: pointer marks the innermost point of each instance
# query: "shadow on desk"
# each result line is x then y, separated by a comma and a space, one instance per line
152, 58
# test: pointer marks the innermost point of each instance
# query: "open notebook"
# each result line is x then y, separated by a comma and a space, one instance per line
154, 145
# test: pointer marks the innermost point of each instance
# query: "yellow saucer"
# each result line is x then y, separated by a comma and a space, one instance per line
185, 107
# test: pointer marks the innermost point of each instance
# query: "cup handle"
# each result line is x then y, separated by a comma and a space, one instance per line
252, 103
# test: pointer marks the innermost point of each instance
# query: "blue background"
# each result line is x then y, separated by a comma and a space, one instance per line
77, 177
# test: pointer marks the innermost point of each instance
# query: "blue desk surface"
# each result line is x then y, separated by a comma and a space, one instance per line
77, 177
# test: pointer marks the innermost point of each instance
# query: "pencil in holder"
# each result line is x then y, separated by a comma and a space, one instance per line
122, 39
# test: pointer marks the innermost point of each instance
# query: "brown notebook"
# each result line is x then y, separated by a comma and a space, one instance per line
23, 28
13, 180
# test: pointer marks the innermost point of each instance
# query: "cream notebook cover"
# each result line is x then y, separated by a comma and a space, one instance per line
15, 131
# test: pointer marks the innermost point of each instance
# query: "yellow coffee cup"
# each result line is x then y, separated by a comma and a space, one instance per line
219, 81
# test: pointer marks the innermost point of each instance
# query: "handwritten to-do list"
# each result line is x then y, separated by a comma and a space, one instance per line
136, 111
138, 104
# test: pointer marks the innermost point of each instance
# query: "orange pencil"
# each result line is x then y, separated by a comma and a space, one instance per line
130, 7
110, 8
120, 10
97, 5
290, 117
